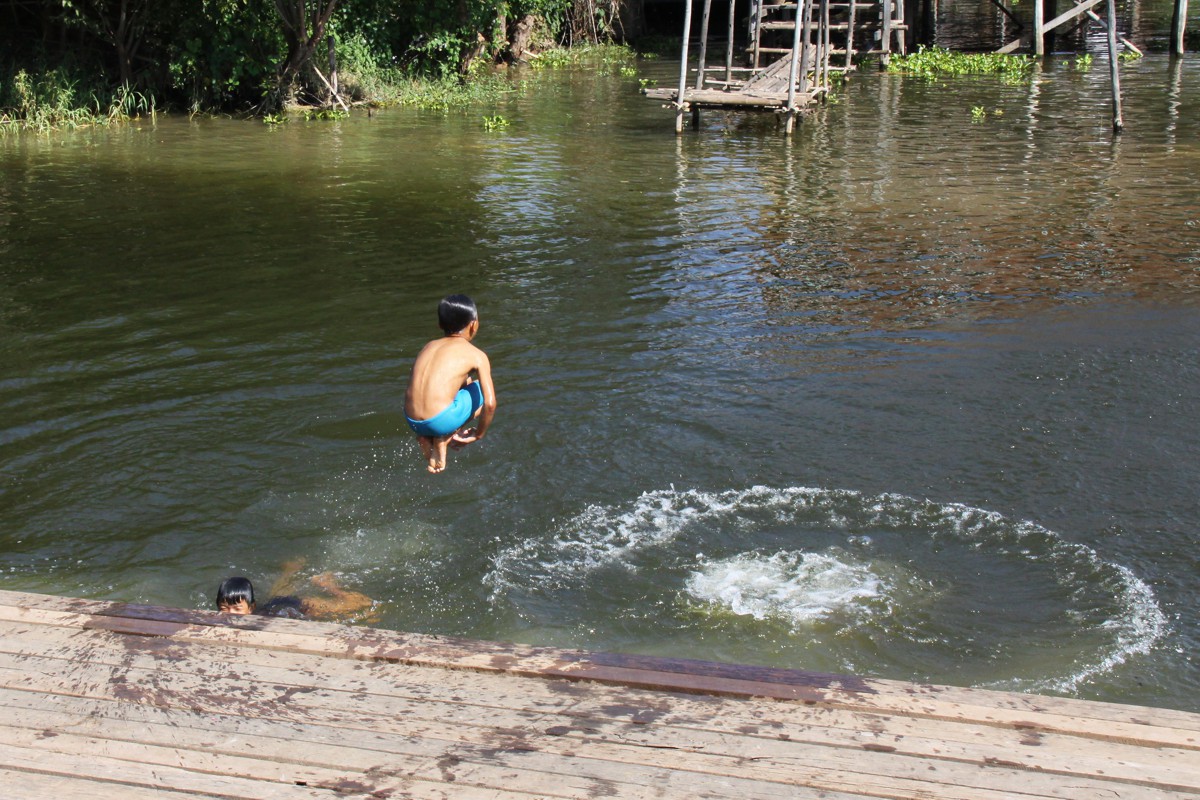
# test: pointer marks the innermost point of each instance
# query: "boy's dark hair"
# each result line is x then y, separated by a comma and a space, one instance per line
234, 590
456, 312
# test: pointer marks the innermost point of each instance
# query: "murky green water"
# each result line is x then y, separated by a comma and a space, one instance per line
910, 395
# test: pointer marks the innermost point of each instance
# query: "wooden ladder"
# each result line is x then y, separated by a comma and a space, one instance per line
853, 27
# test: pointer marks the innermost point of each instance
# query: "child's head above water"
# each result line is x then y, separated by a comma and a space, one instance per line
456, 312
235, 596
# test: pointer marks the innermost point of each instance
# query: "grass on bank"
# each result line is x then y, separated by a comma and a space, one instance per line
57, 99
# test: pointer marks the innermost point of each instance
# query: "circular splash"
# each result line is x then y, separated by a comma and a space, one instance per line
794, 587
834, 579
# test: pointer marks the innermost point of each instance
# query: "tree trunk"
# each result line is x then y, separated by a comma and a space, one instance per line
520, 36
303, 31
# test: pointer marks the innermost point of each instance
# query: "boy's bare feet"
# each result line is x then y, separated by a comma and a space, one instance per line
437, 459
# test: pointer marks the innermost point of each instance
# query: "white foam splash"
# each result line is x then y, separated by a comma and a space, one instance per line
797, 588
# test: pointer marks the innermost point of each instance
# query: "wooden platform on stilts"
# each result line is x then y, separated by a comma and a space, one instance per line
109, 700
768, 89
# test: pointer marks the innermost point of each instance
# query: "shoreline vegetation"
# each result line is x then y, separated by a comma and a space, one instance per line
69, 64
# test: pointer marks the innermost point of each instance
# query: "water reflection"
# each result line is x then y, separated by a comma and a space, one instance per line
212, 322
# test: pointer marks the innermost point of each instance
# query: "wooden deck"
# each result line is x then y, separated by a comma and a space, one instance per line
109, 700
767, 89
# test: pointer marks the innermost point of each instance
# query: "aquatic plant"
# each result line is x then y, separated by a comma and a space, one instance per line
274, 119
1083, 62
616, 57
934, 62
978, 114
325, 114
495, 122
1129, 55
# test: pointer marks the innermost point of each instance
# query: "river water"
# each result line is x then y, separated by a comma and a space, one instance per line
912, 394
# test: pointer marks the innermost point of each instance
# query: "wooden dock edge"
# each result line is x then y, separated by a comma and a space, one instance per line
1021, 712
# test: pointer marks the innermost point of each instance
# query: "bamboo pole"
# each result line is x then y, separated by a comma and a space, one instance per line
683, 62
755, 30
1114, 67
1039, 27
885, 10
729, 47
799, 52
703, 44
1178, 27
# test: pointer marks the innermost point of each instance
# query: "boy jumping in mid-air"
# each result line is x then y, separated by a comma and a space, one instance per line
451, 384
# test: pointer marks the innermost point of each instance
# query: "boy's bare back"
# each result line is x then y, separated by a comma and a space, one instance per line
441, 369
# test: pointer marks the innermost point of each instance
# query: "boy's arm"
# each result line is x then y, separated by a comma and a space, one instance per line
483, 369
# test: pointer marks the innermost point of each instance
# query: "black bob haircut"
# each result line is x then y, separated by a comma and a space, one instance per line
234, 590
456, 312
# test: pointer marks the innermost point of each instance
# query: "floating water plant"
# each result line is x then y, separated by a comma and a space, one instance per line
978, 114
933, 62
1083, 62
325, 114
495, 122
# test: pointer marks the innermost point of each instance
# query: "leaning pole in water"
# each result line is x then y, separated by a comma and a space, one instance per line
1114, 67
687, 32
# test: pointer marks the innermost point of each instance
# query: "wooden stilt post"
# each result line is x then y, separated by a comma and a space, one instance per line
885, 25
703, 44
729, 48
755, 32
850, 22
1178, 27
1039, 28
1114, 67
680, 105
799, 52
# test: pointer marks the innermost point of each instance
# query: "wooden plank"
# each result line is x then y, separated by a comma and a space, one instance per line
1070, 14
1000, 708
824, 774
40, 786
416, 695
962, 744
113, 777
856, 768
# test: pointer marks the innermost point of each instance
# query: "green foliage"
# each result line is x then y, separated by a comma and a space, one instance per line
1083, 62
1129, 55
935, 62
606, 57
54, 99
978, 114
60, 64
494, 123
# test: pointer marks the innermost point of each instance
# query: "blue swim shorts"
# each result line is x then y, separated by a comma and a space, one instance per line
458, 413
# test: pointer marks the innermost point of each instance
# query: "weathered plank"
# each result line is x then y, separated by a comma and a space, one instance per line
126, 700
1102, 720
413, 694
